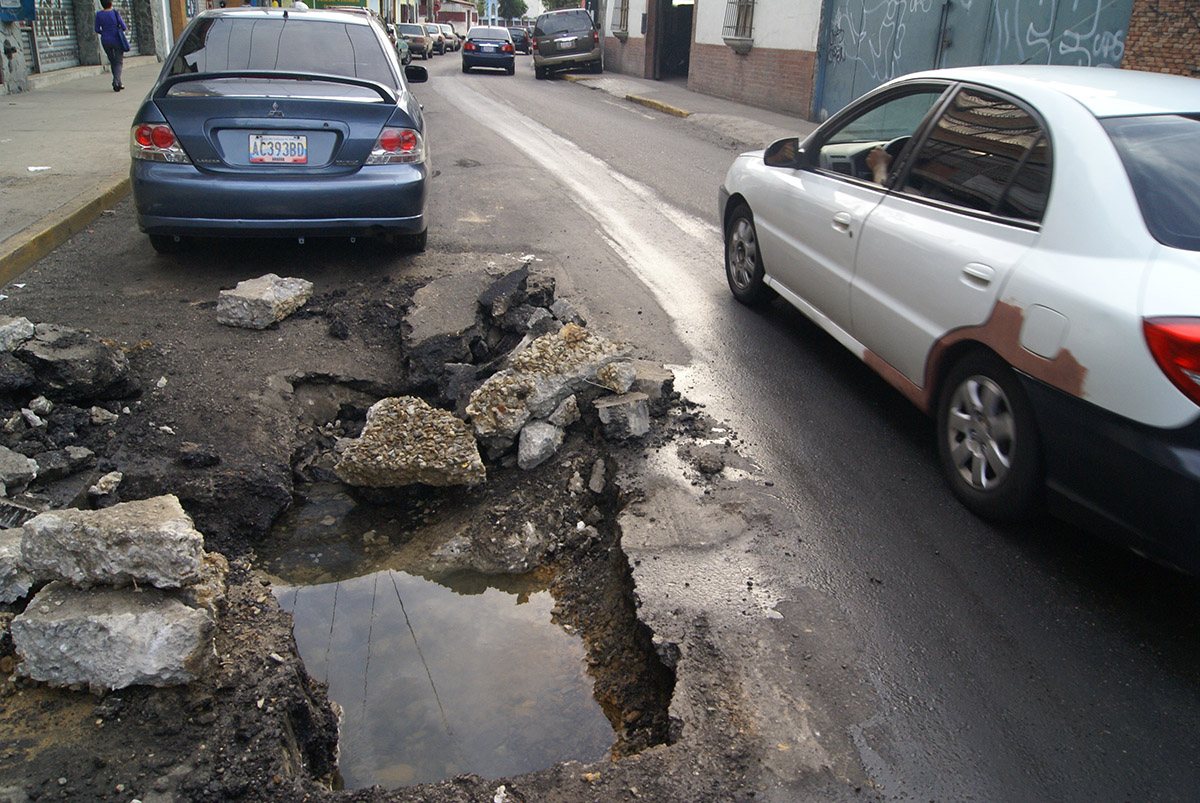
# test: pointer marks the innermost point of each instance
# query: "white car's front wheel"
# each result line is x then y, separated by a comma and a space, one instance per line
743, 262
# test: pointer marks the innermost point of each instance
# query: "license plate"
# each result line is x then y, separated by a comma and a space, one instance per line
489, 48
279, 149
566, 44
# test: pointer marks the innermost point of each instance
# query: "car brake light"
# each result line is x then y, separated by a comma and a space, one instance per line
1175, 344
156, 142
507, 49
397, 146
470, 46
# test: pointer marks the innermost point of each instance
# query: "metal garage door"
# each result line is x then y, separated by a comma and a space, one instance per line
54, 28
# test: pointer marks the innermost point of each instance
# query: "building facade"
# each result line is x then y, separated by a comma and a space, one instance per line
812, 57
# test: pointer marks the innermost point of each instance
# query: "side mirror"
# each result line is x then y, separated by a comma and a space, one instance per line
784, 153
416, 74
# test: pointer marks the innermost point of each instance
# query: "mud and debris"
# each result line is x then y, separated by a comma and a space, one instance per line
239, 446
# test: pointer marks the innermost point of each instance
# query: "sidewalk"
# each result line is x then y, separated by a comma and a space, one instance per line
66, 146
749, 127
66, 157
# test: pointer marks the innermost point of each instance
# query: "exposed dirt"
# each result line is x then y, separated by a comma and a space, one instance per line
235, 423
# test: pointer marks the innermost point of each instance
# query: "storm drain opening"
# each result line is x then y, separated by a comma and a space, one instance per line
447, 648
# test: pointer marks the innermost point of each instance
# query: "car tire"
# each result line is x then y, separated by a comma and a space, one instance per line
988, 443
512, 68
466, 68
539, 72
596, 66
169, 244
426, 54
743, 260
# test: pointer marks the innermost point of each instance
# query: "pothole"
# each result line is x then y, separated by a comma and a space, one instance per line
440, 669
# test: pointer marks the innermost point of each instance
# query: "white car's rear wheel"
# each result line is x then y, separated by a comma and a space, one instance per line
988, 442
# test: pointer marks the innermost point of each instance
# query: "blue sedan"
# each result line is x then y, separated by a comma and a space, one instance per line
272, 122
488, 46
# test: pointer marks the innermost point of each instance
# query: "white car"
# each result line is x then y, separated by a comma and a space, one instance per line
1017, 251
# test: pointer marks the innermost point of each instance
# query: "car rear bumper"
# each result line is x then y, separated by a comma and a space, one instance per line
566, 59
181, 200
504, 60
1134, 484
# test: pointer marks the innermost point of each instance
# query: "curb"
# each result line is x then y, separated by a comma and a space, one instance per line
40, 238
658, 105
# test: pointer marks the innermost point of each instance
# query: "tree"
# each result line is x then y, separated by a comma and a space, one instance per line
512, 9
553, 5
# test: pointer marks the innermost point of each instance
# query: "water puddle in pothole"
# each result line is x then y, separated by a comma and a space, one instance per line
467, 674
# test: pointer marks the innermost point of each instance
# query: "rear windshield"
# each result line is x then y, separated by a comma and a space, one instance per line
412, 30
1161, 154
550, 24
500, 34
222, 44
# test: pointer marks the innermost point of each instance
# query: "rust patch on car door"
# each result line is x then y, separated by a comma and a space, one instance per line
1002, 334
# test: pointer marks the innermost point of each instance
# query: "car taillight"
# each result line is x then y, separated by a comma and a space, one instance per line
470, 46
1175, 344
595, 37
507, 49
397, 146
156, 142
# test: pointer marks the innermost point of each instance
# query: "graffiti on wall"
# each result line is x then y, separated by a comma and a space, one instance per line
868, 42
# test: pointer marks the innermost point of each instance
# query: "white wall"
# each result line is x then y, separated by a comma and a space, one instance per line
780, 24
636, 9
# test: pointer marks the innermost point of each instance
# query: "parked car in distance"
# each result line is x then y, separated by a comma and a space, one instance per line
436, 38
418, 40
1016, 250
566, 39
521, 40
327, 141
453, 40
401, 44
489, 46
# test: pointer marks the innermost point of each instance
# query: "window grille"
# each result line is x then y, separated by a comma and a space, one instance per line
739, 19
620, 16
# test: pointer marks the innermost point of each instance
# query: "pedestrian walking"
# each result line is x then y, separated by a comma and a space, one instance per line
112, 29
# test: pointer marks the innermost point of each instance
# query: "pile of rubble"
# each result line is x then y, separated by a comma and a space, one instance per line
127, 595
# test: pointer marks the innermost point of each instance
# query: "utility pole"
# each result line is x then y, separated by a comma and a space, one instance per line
491, 10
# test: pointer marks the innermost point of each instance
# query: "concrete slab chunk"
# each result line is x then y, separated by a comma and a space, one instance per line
258, 303
111, 638
150, 541
406, 442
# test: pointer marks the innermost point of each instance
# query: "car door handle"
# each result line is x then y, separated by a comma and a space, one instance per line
978, 275
842, 221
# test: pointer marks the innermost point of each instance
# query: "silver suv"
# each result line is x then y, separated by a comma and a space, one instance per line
564, 40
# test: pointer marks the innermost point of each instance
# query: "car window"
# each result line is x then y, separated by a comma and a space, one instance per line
412, 30
489, 33
551, 24
1160, 154
222, 44
987, 154
888, 123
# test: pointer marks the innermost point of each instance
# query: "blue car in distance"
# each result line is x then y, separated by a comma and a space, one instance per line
489, 46
273, 122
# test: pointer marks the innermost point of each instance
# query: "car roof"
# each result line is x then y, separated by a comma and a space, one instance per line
338, 14
1105, 92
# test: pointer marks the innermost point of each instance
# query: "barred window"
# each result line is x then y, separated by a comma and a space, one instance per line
620, 16
739, 19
